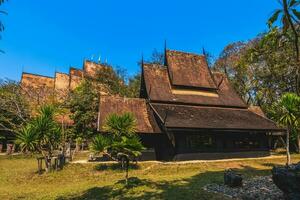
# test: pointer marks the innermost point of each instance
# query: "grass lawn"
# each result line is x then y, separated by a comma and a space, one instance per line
18, 179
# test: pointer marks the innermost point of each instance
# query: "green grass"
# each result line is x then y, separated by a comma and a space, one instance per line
19, 180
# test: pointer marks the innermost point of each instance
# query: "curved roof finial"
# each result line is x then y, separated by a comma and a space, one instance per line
142, 60
203, 51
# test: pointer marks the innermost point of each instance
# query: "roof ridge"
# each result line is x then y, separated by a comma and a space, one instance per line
185, 52
35, 74
62, 73
119, 97
201, 106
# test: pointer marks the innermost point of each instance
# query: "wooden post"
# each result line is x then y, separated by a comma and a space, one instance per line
40, 164
288, 147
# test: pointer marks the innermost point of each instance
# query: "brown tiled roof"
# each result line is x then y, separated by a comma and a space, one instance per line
62, 81
201, 117
36, 81
76, 72
76, 76
159, 89
257, 110
189, 70
91, 68
118, 105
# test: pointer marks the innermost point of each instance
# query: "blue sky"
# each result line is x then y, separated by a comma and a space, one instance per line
44, 36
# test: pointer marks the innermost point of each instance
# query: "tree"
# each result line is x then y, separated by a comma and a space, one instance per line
14, 109
289, 108
157, 57
290, 19
237, 71
83, 105
111, 80
120, 141
1, 24
42, 134
134, 84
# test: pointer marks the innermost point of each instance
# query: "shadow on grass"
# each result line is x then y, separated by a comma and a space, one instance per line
189, 188
114, 167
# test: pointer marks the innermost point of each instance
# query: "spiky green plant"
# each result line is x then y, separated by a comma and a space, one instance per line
290, 114
27, 139
120, 125
100, 144
120, 142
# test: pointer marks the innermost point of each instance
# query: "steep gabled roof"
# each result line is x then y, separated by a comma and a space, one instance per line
159, 89
62, 81
203, 117
91, 68
36, 81
257, 110
76, 76
113, 104
188, 70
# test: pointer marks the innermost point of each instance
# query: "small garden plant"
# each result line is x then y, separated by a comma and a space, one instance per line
120, 141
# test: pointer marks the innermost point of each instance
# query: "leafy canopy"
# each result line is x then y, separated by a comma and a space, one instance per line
42, 133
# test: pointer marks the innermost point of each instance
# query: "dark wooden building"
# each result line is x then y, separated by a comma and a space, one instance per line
186, 111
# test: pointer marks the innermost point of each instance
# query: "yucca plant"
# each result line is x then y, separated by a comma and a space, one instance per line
27, 139
290, 115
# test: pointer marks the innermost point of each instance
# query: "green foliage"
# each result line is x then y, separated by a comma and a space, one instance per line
100, 143
112, 80
120, 125
129, 146
289, 105
120, 142
27, 139
289, 18
120, 137
83, 104
261, 70
42, 133
133, 88
287, 15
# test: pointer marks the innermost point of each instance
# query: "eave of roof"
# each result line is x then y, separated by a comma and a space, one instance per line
212, 118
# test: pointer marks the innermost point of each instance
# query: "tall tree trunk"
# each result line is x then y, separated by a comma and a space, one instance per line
298, 142
288, 156
127, 168
296, 43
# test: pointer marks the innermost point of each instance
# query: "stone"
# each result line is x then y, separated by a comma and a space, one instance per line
233, 179
256, 188
287, 179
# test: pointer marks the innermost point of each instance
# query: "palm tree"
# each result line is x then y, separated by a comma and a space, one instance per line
289, 108
290, 19
121, 142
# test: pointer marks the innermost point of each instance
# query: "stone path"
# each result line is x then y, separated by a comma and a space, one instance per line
189, 162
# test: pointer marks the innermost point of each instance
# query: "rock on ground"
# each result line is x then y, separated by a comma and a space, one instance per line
258, 188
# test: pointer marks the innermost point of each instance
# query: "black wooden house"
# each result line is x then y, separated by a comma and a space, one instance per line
186, 111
